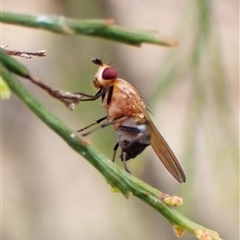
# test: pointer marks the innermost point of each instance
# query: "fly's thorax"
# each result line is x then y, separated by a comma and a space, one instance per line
115, 105
140, 118
125, 100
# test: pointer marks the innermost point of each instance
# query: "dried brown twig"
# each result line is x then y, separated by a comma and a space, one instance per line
24, 54
69, 99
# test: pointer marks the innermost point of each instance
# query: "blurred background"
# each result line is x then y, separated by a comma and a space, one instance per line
50, 192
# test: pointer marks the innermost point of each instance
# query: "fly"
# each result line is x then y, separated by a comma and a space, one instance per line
126, 112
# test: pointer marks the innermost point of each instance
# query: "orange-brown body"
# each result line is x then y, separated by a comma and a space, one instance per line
123, 103
125, 99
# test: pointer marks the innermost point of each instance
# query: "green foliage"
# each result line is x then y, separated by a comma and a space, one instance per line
4, 89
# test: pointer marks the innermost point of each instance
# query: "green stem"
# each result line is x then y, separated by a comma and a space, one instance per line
116, 177
97, 28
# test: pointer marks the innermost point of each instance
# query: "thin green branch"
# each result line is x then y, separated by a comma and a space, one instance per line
116, 177
96, 28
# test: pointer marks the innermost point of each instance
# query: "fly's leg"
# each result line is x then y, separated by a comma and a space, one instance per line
96, 122
99, 94
124, 157
105, 125
89, 97
114, 151
125, 162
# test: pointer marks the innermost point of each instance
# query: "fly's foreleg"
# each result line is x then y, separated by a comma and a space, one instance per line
100, 93
90, 97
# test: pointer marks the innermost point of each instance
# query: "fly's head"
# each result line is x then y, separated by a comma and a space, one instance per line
105, 75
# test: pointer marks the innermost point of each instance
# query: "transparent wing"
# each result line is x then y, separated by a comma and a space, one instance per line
164, 152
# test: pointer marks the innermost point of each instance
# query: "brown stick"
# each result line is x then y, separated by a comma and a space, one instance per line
24, 54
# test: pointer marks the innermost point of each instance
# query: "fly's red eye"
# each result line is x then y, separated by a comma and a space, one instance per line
109, 73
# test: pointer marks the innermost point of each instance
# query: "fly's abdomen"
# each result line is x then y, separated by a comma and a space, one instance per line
133, 138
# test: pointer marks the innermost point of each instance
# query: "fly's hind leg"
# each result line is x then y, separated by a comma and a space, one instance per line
114, 151
123, 158
125, 162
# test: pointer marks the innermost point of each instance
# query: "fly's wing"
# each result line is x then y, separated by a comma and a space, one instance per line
164, 152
